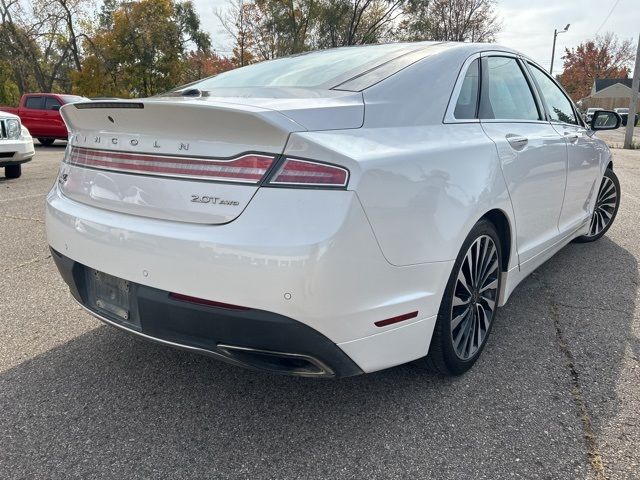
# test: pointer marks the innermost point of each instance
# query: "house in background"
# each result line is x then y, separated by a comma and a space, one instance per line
608, 93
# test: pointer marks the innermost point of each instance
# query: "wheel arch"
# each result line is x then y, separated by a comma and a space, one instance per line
501, 222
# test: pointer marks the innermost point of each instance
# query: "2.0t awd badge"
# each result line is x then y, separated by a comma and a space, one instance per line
213, 200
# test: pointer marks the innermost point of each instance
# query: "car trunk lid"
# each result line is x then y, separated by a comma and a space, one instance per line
198, 160
180, 161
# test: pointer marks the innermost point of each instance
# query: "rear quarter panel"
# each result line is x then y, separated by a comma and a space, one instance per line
423, 183
422, 188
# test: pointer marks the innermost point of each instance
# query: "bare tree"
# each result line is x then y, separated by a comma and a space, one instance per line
40, 40
235, 20
451, 20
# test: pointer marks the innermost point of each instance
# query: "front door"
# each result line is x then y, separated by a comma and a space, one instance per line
583, 166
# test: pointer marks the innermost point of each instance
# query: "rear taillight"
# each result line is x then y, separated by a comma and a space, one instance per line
249, 168
296, 172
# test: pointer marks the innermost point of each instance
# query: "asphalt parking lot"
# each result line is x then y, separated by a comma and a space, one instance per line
556, 393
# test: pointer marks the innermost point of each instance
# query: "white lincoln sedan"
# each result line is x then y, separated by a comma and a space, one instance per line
331, 213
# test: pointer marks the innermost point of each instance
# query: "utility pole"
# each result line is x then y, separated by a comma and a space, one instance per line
553, 51
633, 103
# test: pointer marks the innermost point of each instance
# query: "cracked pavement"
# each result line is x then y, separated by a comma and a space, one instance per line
556, 393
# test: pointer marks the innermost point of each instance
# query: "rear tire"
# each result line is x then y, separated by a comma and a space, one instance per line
606, 208
13, 171
469, 305
47, 142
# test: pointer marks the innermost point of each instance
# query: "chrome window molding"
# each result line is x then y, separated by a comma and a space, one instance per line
449, 114
449, 117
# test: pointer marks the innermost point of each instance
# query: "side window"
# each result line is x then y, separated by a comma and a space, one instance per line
506, 94
33, 102
50, 103
558, 104
467, 103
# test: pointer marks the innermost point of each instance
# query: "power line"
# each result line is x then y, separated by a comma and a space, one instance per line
607, 17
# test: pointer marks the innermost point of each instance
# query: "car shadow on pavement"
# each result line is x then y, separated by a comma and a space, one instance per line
108, 404
592, 290
58, 145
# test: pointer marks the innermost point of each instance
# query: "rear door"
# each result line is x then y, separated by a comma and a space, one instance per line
532, 153
583, 166
54, 125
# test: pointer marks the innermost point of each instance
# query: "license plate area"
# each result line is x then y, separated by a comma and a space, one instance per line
111, 297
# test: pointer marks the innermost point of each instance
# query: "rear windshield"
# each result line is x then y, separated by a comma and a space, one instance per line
314, 69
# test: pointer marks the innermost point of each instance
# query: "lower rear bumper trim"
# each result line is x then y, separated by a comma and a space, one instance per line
253, 338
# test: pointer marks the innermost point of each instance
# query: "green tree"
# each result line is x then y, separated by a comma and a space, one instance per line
9, 91
140, 48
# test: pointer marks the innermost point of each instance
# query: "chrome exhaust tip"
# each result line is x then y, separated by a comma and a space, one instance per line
294, 364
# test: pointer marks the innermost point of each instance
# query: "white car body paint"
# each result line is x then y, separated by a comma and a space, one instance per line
335, 260
21, 148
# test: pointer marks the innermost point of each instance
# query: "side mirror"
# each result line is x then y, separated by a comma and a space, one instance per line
605, 120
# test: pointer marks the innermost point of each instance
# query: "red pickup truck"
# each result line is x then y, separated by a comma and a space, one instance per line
39, 112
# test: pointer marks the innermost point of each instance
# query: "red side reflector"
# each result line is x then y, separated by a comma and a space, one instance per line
399, 318
305, 172
248, 168
208, 303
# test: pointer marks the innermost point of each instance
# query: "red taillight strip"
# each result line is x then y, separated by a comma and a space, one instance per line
247, 168
399, 318
208, 303
297, 172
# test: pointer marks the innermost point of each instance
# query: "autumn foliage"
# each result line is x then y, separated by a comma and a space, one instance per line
603, 57
139, 48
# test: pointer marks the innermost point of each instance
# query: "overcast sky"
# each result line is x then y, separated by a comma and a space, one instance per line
525, 27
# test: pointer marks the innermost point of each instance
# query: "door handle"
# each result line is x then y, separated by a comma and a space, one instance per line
571, 137
516, 141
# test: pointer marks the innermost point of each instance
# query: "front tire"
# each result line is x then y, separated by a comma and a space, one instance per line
47, 142
606, 208
470, 302
13, 171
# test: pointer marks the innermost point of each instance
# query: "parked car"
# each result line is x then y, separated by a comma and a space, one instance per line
331, 213
624, 115
40, 113
589, 115
16, 145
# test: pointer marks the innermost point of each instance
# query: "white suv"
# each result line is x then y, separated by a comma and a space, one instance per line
16, 145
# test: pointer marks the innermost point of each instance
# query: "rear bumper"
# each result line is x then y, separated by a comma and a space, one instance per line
249, 338
311, 257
